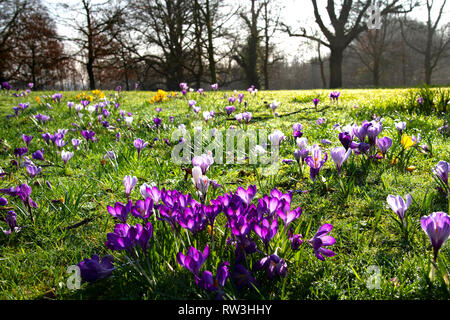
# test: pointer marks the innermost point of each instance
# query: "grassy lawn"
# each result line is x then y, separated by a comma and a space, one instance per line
71, 221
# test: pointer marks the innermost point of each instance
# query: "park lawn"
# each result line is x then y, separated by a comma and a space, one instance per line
369, 242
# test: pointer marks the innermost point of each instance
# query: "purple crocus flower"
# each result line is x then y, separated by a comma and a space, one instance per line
139, 144
437, 227
273, 265
315, 161
339, 156
157, 121
204, 161
93, 269
143, 209
288, 216
38, 155
321, 240
373, 131
75, 143
215, 86
153, 192
60, 143
129, 182
211, 283
33, 170
19, 152
346, 139
11, 220
441, 171
398, 205
143, 235
66, 156
122, 238
266, 230
3, 202
183, 86
231, 99
88, 135
242, 277
384, 144
320, 121
57, 97
193, 260
121, 211
316, 101
297, 130
42, 118
27, 139
22, 191
420, 101
240, 97
361, 131
295, 239
247, 116
400, 126
230, 109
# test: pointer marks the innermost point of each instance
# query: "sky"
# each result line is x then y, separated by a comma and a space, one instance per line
295, 13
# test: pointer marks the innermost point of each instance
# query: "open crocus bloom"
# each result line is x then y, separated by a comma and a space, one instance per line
437, 227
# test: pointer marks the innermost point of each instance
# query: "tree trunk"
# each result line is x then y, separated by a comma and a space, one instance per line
90, 72
336, 58
211, 60
322, 71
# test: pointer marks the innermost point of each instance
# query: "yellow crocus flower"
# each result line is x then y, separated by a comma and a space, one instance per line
407, 142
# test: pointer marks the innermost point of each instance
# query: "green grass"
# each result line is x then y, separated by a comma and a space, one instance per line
33, 262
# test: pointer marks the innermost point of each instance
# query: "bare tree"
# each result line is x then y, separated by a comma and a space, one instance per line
10, 13
371, 48
347, 25
94, 38
436, 41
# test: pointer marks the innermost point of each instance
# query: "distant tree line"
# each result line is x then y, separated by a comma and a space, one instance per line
152, 44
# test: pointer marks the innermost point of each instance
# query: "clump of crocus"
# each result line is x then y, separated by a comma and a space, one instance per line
22, 191
93, 269
437, 227
334, 96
